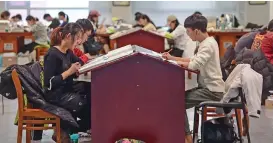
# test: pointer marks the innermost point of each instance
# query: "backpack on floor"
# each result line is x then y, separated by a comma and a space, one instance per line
219, 130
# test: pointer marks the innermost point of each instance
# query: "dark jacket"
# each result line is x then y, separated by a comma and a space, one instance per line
30, 77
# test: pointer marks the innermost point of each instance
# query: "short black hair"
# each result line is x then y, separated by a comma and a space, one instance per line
19, 16
197, 12
137, 16
5, 13
85, 24
30, 18
196, 22
46, 15
61, 13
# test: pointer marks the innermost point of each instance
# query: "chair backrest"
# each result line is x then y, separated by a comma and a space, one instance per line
19, 91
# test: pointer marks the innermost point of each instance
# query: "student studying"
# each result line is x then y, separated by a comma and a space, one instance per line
177, 33
207, 61
40, 35
60, 67
146, 22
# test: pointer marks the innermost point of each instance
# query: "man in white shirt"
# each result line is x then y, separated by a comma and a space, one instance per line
178, 35
207, 61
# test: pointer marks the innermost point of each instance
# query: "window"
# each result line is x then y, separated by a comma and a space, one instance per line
17, 3
60, 4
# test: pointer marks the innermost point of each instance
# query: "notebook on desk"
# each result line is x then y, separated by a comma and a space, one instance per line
118, 54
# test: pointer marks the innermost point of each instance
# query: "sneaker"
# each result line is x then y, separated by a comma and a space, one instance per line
65, 138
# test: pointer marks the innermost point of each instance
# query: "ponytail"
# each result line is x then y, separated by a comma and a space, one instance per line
56, 36
59, 33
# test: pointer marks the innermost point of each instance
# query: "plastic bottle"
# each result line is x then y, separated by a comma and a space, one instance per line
74, 138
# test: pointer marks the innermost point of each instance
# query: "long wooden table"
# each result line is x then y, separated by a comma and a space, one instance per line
12, 41
226, 38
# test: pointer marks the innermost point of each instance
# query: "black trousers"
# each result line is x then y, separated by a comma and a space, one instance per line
29, 47
84, 114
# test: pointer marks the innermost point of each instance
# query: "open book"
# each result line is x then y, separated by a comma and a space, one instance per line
117, 54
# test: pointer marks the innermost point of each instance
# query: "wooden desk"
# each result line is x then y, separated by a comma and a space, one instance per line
12, 41
226, 38
141, 38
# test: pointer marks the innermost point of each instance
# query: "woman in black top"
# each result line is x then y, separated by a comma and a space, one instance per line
60, 67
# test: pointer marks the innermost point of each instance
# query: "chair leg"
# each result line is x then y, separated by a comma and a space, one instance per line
3, 106
28, 134
58, 129
195, 125
20, 131
238, 125
246, 122
205, 115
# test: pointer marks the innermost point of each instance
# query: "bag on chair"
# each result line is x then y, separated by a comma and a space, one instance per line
219, 130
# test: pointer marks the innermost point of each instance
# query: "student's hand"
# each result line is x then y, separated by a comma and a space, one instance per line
183, 64
90, 57
167, 56
74, 68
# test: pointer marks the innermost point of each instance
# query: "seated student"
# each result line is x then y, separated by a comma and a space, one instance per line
207, 61
178, 34
137, 15
146, 22
98, 29
18, 20
87, 29
39, 32
60, 67
267, 43
63, 18
5, 15
54, 22
12, 19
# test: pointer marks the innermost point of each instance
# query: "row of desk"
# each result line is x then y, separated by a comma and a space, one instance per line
10, 42
156, 42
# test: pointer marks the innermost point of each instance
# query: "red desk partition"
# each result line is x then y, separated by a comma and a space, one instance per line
142, 38
138, 97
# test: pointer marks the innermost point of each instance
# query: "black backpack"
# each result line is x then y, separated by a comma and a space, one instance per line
219, 130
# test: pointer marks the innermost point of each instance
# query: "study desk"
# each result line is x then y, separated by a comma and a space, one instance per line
148, 39
12, 41
190, 80
226, 38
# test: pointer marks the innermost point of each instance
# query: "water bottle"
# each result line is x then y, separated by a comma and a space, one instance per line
74, 138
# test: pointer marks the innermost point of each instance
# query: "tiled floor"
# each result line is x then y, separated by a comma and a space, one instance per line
261, 129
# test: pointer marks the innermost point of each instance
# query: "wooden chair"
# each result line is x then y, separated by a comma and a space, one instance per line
40, 51
28, 116
211, 112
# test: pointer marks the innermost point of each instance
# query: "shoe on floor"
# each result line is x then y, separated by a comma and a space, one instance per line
65, 138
